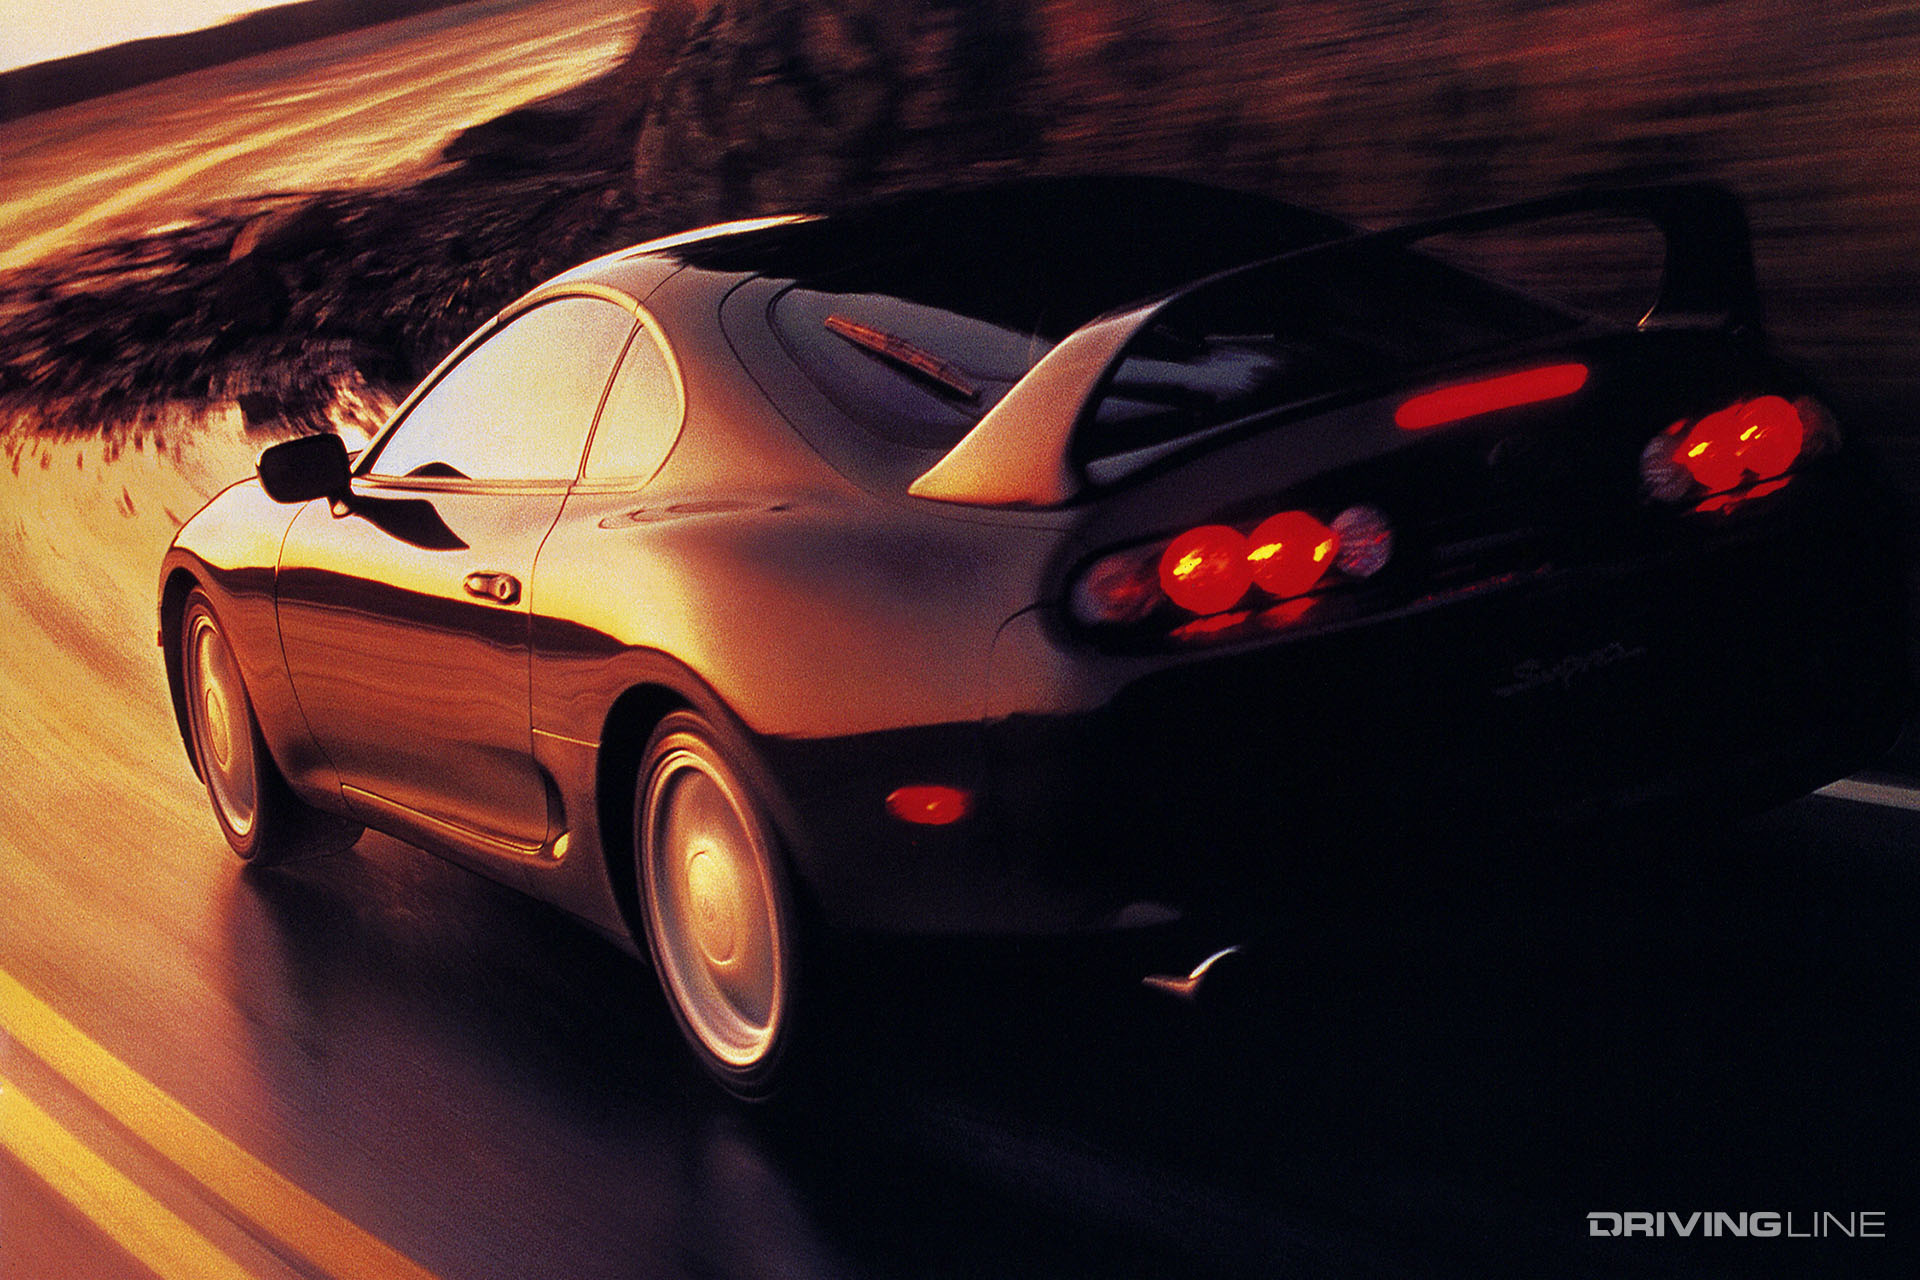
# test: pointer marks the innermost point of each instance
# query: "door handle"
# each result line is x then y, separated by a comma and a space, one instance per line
501, 588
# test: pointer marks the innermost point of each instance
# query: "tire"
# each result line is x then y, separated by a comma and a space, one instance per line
719, 914
263, 821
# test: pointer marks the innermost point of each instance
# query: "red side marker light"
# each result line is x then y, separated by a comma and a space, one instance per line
930, 806
1489, 395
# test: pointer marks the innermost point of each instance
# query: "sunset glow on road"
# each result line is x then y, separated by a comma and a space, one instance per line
40, 33
157, 153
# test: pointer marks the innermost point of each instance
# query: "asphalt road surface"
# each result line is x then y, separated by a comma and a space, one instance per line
379, 1064
376, 1064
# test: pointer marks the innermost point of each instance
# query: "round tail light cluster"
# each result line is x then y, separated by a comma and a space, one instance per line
1214, 568
1748, 443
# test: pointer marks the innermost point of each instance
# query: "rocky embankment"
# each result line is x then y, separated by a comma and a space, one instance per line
296, 309
1376, 109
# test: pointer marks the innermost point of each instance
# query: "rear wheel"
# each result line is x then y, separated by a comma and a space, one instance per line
719, 919
262, 819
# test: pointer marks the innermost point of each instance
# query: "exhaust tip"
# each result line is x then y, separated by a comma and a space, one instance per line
1187, 987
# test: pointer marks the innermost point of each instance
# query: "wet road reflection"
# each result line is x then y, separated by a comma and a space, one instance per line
1440, 1070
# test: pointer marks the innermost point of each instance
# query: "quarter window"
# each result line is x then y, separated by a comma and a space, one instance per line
519, 405
642, 415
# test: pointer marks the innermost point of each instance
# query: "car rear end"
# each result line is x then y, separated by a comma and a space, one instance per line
1465, 561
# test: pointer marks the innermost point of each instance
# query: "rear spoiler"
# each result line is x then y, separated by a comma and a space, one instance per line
1707, 279
1018, 454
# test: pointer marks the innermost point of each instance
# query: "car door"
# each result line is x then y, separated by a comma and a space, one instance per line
404, 611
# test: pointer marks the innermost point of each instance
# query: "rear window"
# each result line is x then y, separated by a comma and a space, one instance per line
916, 375
915, 316
1293, 333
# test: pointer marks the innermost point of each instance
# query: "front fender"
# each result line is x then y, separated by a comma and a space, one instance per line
231, 551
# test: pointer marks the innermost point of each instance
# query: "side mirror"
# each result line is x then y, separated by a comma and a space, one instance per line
304, 468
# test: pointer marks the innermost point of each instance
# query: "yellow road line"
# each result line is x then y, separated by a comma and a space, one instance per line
280, 1210
133, 1219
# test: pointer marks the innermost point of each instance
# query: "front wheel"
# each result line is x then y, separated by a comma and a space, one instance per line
263, 821
719, 918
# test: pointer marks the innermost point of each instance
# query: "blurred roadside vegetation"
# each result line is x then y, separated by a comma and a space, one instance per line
1379, 110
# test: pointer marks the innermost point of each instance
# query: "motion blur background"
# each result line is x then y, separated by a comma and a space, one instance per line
41, 33
1379, 110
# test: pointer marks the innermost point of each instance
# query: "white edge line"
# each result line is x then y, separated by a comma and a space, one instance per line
1882, 794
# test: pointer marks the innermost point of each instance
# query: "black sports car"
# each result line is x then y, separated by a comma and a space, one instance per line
1051, 557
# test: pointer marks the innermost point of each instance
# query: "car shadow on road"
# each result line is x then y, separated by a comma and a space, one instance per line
1440, 1064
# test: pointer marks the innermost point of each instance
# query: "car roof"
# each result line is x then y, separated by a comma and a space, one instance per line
1044, 254
1036, 257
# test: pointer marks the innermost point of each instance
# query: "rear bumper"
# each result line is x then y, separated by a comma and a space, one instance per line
1742, 665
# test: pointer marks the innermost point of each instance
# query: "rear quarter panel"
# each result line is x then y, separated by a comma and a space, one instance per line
845, 633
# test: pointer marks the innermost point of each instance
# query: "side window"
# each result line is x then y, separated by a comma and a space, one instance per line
518, 406
642, 416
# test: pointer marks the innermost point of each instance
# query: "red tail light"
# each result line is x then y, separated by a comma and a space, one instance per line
1760, 437
1213, 577
1206, 570
1745, 443
1489, 395
1290, 553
